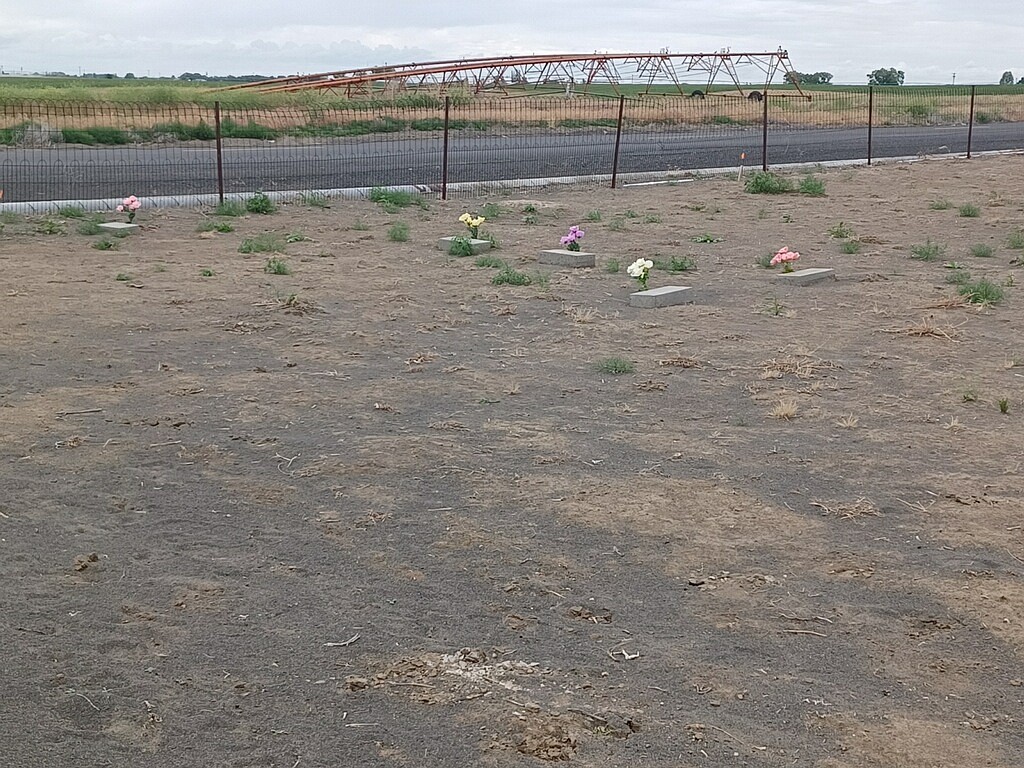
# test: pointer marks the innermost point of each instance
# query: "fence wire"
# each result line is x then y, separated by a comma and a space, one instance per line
81, 151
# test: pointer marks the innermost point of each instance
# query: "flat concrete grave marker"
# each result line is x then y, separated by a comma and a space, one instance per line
806, 276
563, 257
476, 246
666, 296
119, 226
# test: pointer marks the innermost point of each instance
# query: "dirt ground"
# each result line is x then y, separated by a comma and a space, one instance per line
381, 512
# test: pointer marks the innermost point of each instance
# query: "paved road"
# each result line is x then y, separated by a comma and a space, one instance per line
74, 172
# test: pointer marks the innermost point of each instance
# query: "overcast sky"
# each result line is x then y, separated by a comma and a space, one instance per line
929, 39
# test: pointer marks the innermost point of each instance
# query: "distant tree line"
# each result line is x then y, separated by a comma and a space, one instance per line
885, 76
1007, 79
809, 78
198, 77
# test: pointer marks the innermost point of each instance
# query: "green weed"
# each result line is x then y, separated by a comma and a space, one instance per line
359, 226
206, 273
929, 251
982, 251
593, 216
706, 238
615, 366
88, 228
509, 276
767, 183
72, 212
215, 226
612, 265
399, 232
1004, 405
652, 218
850, 246
260, 203
812, 186
276, 266
230, 208
981, 292
264, 243
95, 135
489, 261
969, 211
841, 231
677, 264
1015, 240
105, 245
297, 237
491, 211
50, 227
392, 199
122, 277
231, 130
958, 277
940, 205
460, 247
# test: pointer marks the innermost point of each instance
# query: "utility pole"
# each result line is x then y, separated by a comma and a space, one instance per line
954, 78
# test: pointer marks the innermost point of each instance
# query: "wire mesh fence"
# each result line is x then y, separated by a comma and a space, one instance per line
528, 138
70, 150
82, 151
315, 148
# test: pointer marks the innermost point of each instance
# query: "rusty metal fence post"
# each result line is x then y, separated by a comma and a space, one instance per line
618, 141
970, 122
764, 133
871, 117
444, 149
220, 152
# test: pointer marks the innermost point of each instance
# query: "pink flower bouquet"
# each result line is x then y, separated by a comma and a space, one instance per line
130, 205
785, 257
571, 240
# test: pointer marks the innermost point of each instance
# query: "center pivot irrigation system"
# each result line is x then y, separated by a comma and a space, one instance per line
688, 74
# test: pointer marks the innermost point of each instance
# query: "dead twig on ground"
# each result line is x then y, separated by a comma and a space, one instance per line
803, 618
928, 328
734, 737
343, 643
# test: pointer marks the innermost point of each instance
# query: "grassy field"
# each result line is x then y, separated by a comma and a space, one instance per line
172, 91
111, 112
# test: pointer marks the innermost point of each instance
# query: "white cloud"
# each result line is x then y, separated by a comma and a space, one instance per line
930, 40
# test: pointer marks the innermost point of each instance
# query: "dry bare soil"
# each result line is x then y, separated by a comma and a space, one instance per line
382, 512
